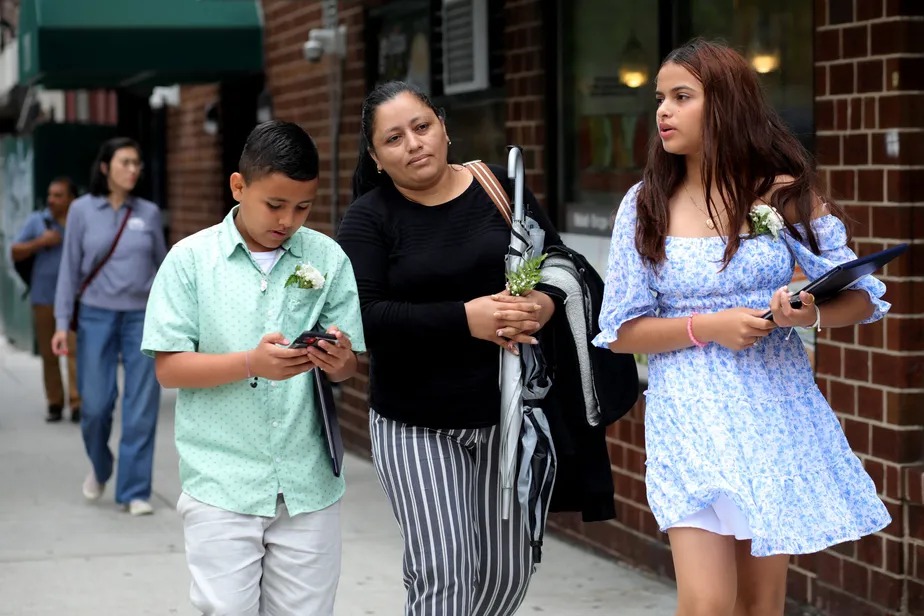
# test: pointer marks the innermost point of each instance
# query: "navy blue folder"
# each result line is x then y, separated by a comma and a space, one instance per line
324, 397
842, 276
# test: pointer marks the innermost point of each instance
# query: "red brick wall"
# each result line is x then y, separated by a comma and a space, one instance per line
869, 115
300, 94
195, 179
524, 78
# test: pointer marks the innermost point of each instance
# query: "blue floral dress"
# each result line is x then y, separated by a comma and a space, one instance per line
750, 425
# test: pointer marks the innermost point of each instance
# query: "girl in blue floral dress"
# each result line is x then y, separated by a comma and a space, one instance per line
747, 462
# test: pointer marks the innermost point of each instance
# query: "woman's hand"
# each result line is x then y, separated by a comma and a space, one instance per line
785, 315
270, 361
506, 319
337, 359
59, 343
735, 329
514, 321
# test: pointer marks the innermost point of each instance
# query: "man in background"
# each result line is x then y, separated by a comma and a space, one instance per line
41, 239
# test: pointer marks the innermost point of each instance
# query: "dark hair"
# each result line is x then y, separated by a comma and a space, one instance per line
68, 183
366, 177
279, 147
745, 147
99, 181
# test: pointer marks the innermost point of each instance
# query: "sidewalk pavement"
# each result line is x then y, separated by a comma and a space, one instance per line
62, 555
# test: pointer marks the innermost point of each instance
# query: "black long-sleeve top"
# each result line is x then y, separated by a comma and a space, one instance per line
415, 268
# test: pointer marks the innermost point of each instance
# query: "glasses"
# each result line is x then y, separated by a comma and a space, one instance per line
130, 163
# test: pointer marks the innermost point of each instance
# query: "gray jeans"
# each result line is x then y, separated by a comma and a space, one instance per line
247, 565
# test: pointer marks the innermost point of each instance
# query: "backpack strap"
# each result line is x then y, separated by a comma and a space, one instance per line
493, 187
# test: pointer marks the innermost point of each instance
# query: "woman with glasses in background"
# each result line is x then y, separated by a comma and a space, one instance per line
113, 247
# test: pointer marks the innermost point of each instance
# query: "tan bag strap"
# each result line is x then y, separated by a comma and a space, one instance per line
489, 182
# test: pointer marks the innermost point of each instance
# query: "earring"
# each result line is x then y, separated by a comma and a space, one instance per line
450, 142
378, 170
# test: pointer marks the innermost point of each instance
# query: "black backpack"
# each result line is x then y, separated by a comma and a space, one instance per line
24, 268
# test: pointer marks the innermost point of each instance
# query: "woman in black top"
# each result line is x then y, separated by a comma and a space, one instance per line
427, 246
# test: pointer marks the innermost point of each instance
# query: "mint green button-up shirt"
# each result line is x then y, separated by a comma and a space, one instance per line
240, 446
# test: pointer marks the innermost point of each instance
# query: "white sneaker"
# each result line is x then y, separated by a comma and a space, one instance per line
92, 489
140, 507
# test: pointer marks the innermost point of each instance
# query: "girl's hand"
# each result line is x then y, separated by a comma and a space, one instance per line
785, 315
736, 329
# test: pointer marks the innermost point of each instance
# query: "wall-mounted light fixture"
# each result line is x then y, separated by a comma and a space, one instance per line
211, 122
264, 106
633, 68
763, 51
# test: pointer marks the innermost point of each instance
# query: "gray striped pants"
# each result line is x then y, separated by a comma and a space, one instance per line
460, 557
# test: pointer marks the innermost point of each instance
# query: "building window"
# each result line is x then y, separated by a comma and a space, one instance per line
402, 45
610, 51
776, 38
406, 41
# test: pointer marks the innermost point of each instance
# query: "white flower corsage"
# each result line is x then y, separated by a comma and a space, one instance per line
766, 220
306, 277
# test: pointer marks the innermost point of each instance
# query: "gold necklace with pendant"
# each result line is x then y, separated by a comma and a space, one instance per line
710, 224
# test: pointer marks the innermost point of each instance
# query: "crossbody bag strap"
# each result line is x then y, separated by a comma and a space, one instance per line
99, 266
489, 182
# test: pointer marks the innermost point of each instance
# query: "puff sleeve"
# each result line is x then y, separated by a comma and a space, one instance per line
628, 290
832, 240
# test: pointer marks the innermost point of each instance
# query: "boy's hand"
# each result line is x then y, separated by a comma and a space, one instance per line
269, 361
336, 359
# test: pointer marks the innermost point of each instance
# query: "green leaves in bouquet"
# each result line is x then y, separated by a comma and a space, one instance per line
525, 278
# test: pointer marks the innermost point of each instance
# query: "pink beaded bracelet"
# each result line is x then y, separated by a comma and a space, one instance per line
698, 343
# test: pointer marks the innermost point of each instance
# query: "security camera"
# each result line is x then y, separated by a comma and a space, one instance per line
313, 50
325, 40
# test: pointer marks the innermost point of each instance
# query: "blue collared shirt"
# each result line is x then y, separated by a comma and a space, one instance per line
125, 280
47, 260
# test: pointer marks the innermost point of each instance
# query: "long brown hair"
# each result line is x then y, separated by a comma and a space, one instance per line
745, 147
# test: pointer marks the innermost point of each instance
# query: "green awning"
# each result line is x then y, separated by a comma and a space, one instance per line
124, 43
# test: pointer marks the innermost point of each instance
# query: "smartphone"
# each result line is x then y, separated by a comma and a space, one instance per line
309, 338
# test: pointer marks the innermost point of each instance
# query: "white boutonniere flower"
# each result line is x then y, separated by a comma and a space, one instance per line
766, 220
306, 277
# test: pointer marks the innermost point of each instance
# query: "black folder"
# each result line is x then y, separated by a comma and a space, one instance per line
324, 400
842, 276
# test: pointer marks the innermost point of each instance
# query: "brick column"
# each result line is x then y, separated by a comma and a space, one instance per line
300, 92
869, 118
524, 75
195, 178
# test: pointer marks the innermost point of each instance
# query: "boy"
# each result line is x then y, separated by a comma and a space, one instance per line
260, 503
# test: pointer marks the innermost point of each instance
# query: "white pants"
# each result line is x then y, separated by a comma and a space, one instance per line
247, 565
